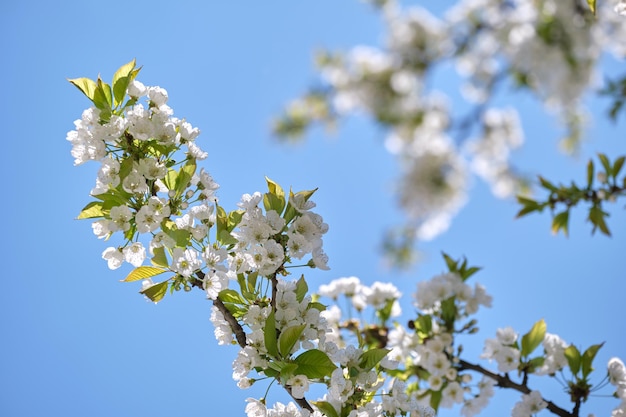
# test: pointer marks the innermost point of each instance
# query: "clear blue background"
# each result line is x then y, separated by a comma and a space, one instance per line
74, 341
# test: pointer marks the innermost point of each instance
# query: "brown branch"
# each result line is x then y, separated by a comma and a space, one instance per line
238, 331
503, 381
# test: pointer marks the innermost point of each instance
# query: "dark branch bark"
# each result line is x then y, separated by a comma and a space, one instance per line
504, 381
240, 334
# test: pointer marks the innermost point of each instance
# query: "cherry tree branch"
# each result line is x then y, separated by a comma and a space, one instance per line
503, 381
240, 334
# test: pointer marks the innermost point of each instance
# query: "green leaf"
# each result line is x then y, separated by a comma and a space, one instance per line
121, 80
535, 363
449, 312
560, 222
288, 370
528, 206
170, 179
301, 289
532, 339
547, 184
86, 85
371, 358
231, 296
435, 399
143, 272
617, 166
234, 218
222, 225
226, 238
180, 236
326, 408
318, 306
592, 6
102, 99
159, 258
451, 263
590, 173
573, 358
275, 199
314, 364
606, 164
423, 325
288, 338
91, 211
588, 357
156, 292
269, 334
596, 217
184, 177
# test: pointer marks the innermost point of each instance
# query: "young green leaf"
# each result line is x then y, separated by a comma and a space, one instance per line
606, 164
159, 258
560, 222
573, 358
371, 358
314, 364
184, 177
156, 292
547, 184
326, 408
588, 357
143, 272
91, 211
451, 263
269, 334
596, 217
102, 99
121, 80
86, 85
532, 339
590, 173
231, 296
275, 199
617, 165
301, 289
288, 338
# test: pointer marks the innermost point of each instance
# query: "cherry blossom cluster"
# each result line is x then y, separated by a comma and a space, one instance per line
617, 378
549, 48
149, 190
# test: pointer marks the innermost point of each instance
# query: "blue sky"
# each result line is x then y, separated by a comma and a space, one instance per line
77, 342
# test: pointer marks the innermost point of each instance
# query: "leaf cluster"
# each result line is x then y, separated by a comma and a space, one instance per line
562, 198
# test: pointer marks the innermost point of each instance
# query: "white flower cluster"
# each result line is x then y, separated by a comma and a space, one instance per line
256, 247
617, 378
126, 146
431, 293
553, 48
545, 46
361, 296
503, 350
501, 133
289, 313
91, 138
144, 191
256, 408
530, 405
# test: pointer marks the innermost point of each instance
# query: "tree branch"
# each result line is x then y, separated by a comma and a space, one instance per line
238, 331
504, 381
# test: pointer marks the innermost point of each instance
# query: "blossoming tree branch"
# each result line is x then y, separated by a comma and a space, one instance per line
549, 50
163, 212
